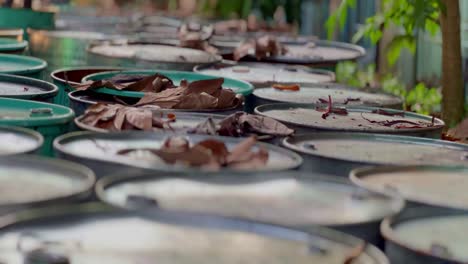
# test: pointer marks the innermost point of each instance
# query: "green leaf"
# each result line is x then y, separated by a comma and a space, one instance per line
396, 46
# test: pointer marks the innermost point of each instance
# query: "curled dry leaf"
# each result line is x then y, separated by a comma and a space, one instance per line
263, 47
200, 95
139, 83
208, 154
119, 117
287, 87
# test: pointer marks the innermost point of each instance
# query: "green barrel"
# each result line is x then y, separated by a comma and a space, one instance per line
26, 18
12, 46
48, 119
22, 65
65, 77
21, 87
238, 86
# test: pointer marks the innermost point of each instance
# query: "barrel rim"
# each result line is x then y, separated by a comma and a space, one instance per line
60, 147
438, 123
395, 203
357, 176
201, 67
38, 66
197, 221
64, 118
38, 138
51, 91
245, 89
54, 73
86, 175
387, 231
368, 136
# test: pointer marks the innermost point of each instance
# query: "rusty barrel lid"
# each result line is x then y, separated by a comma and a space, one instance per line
261, 74
378, 149
340, 94
93, 233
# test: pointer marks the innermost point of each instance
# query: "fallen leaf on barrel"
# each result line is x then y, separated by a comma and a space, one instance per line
119, 117
286, 87
196, 37
203, 94
139, 83
210, 154
263, 47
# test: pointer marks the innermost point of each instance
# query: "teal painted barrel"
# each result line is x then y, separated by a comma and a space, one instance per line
12, 46
22, 65
20, 87
48, 119
64, 78
26, 18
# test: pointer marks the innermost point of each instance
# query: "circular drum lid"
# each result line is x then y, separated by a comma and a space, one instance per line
433, 232
286, 199
159, 53
25, 88
104, 147
184, 121
438, 186
92, 235
8, 44
29, 180
358, 119
263, 73
16, 64
238, 86
27, 113
340, 94
19, 140
379, 149
320, 52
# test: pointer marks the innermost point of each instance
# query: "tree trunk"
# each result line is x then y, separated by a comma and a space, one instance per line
452, 83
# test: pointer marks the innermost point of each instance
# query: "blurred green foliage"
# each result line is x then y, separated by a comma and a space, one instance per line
408, 15
420, 99
243, 8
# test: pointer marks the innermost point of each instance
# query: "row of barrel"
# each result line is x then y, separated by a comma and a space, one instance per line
299, 207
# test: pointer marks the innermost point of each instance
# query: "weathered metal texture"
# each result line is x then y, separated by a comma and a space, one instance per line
20, 87
305, 118
149, 56
338, 153
17, 140
87, 148
400, 251
264, 74
61, 182
84, 242
419, 185
65, 77
81, 100
286, 199
311, 93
